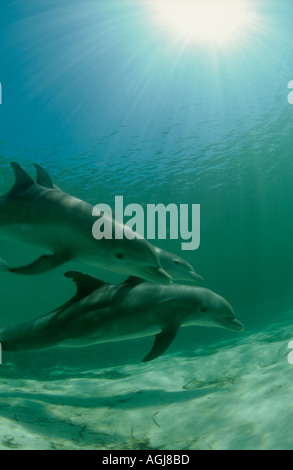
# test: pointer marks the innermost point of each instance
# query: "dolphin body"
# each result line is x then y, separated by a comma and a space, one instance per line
101, 312
42, 215
26, 191
178, 268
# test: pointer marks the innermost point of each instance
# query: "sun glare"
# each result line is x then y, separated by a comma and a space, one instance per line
215, 22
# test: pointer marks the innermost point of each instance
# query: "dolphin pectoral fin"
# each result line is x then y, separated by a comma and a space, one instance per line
43, 264
162, 342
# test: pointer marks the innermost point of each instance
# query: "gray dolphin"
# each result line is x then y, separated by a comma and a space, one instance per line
178, 268
102, 312
42, 215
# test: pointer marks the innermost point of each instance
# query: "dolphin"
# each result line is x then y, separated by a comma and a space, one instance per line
178, 268
42, 215
101, 312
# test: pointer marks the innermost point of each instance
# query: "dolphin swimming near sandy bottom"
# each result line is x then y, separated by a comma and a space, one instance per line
34, 199
42, 215
101, 313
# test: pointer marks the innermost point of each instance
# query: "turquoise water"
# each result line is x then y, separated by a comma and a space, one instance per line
112, 104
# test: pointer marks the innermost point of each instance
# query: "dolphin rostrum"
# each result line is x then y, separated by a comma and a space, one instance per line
176, 267
42, 215
101, 312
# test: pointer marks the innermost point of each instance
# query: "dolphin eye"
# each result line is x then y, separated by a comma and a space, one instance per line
204, 309
177, 262
119, 255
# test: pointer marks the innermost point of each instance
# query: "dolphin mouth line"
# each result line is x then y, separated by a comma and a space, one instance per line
234, 325
196, 276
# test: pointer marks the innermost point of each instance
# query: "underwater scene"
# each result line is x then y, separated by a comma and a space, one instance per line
146, 225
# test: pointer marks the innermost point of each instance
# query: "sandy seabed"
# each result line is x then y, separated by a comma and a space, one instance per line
235, 395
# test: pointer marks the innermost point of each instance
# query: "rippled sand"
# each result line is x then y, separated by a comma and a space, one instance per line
236, 395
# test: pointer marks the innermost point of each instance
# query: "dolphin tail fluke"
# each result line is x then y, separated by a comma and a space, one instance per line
3, 266
162, 342
41, 265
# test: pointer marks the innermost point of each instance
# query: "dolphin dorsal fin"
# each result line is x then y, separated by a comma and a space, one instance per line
43, 178
85, 283
134, 281
22, 180
85, 286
